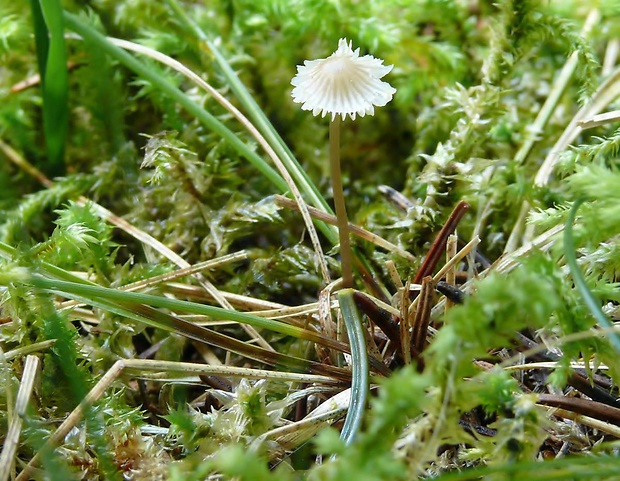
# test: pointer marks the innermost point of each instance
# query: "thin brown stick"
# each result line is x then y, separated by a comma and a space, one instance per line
353, 229
422, 319
35, 79
586, 407
382, 318
406, 323
439, 245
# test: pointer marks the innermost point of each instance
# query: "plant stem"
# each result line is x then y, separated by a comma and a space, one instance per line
359, 365
341, 209
593, 304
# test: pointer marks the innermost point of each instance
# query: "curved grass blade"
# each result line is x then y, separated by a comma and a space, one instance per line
590, 300
52, 60
260, 120
73, 289
161, 83
171, 323
141, 312
359, 384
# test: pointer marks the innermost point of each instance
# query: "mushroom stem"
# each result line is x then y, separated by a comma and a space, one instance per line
339, 204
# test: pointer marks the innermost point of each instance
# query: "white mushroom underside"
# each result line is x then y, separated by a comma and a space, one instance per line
344, 83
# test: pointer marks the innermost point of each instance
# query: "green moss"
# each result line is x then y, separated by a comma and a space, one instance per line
465, 123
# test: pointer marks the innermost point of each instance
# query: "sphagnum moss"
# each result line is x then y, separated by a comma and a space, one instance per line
472, 79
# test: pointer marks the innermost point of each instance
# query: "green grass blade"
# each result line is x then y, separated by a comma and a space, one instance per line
161, 83
41, 38
142, 313
72, 289
571, 260
359, 384
52, 60
262, 123
168, 322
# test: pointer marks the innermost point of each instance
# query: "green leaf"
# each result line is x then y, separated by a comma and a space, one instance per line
591, 302
359, 363
52, 60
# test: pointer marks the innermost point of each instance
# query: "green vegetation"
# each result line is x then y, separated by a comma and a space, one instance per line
167, 313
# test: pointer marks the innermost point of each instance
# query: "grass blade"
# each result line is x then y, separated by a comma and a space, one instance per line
359, 384
161, 83
261, 122
168, 322
141, 312
590, 300
52, 60
73, 289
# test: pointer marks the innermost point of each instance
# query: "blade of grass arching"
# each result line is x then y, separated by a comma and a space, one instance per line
161, 83
72, 289
591, 302
51, 53
359, 363
180, 326
41, 38
171, 323
259, 119
213, 338
224, 102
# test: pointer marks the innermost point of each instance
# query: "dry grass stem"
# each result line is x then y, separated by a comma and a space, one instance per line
132, 365
138, 234
353, 229
553, 364
29, 349
451, 248
243, 120
600, 119
611, 57
11, 441
594, 423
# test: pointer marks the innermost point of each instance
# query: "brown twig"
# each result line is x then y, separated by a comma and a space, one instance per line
422, 319
382, 318
586, 407
353, 229
439, 245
